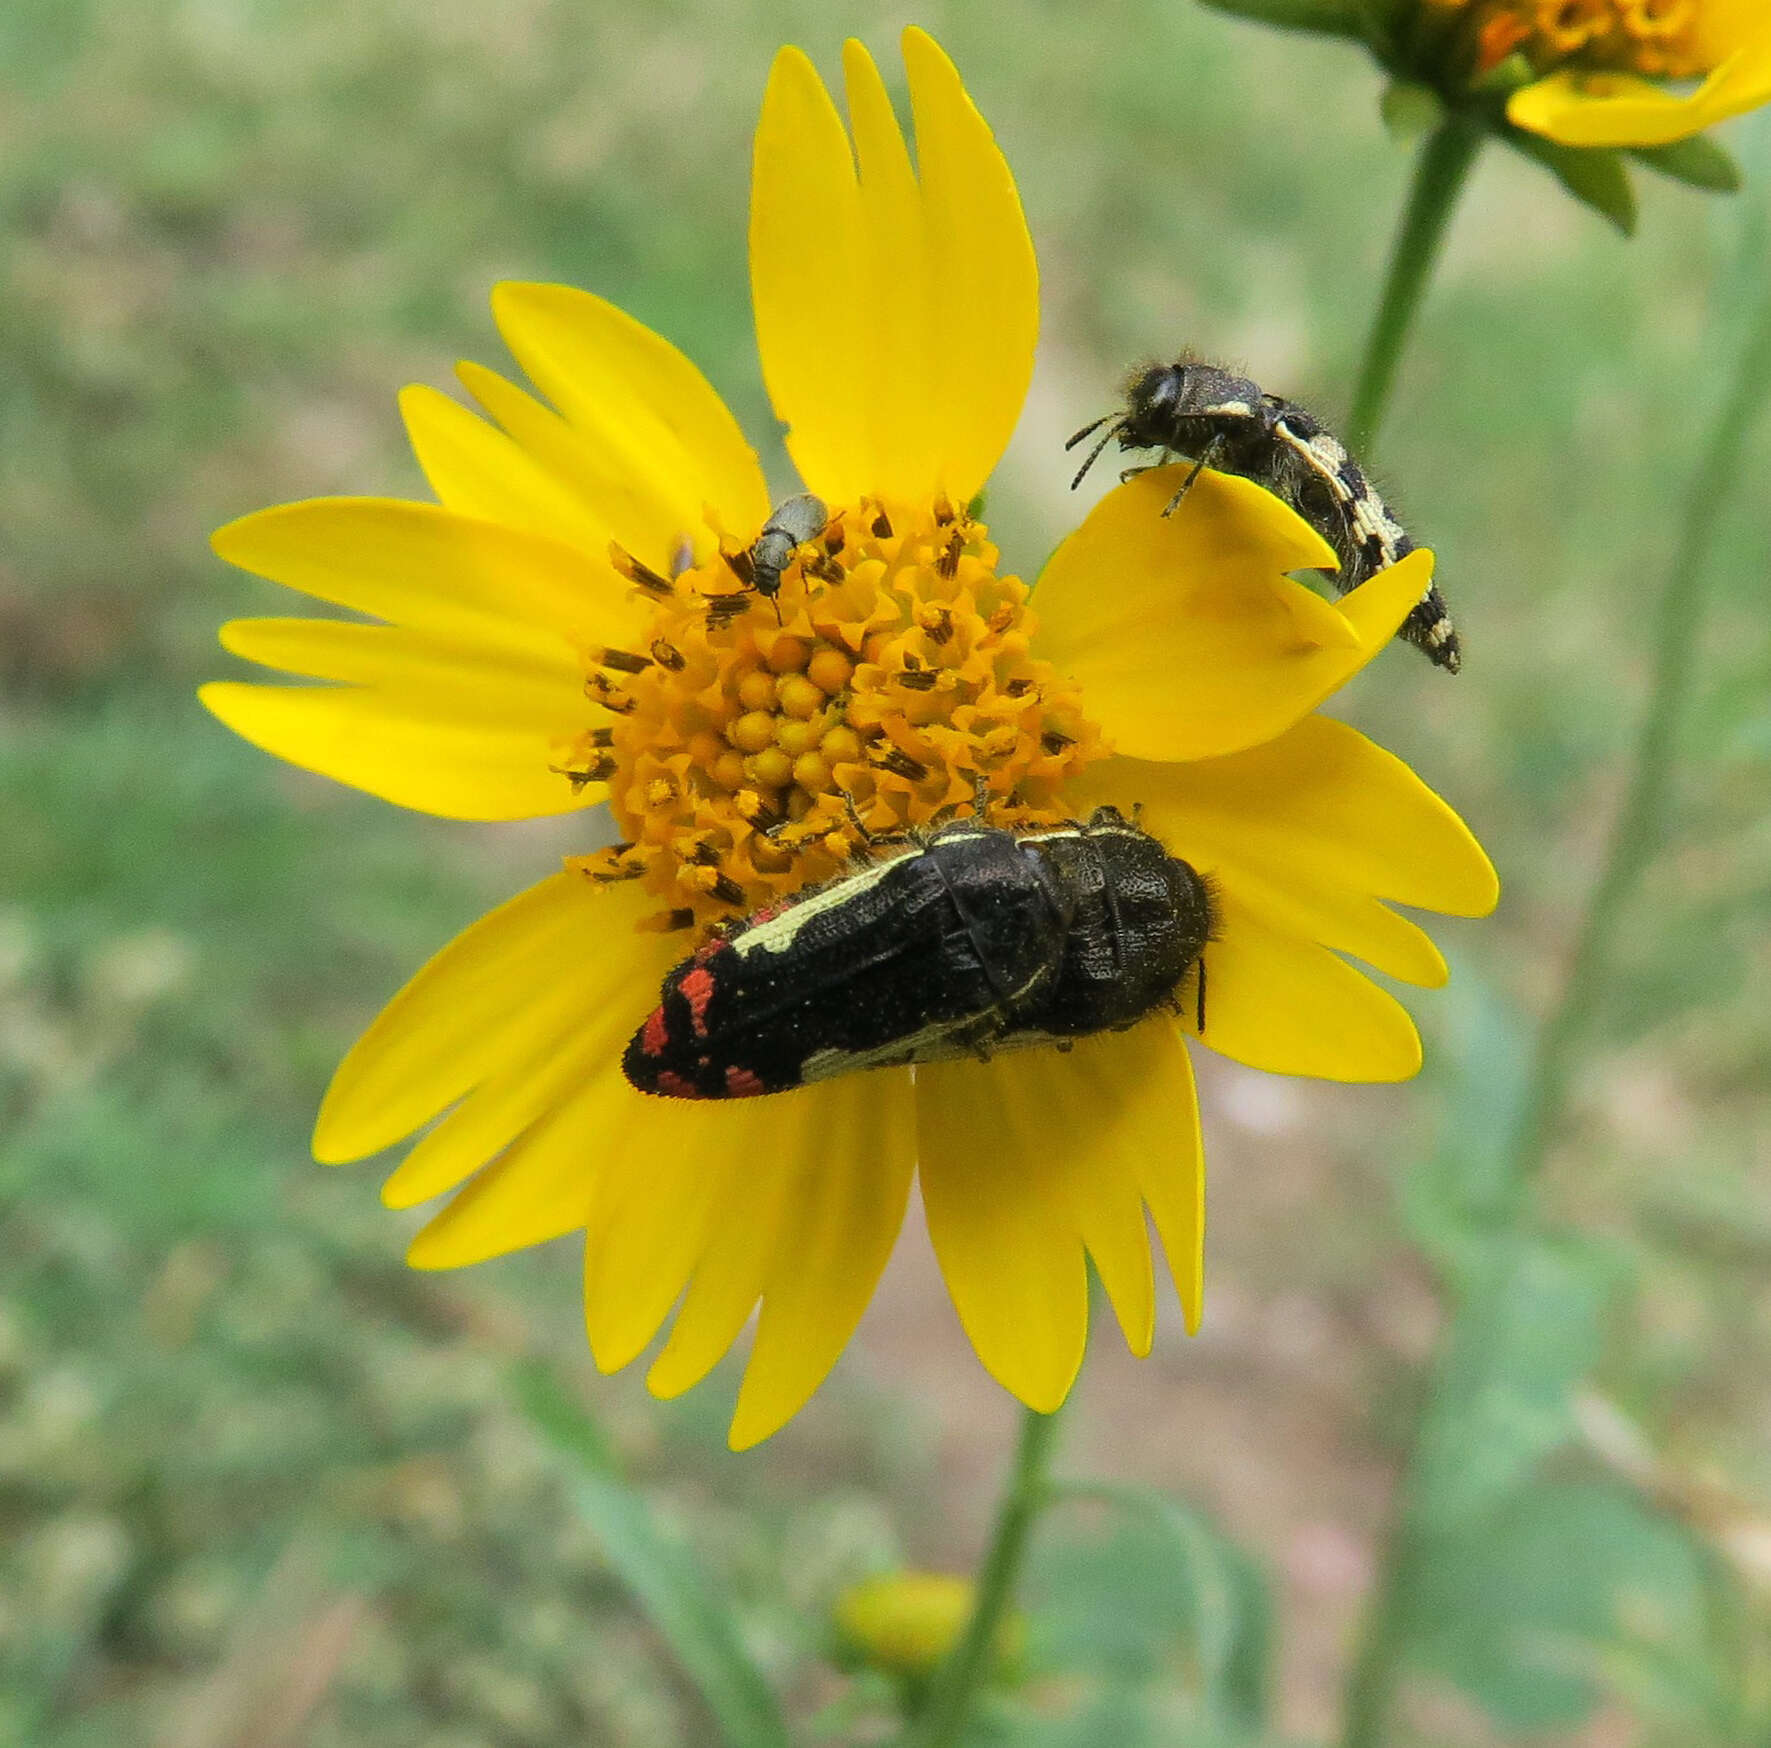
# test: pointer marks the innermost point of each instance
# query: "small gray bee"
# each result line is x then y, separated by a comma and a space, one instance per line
1227, 422
793, 522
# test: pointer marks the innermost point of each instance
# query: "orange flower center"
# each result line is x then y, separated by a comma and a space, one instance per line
753, 745
1657, 38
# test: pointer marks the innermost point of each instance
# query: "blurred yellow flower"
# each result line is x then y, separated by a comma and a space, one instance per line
905, 1623
1599, 62
565, 629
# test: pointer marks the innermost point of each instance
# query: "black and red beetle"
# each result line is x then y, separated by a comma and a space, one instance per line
972, 940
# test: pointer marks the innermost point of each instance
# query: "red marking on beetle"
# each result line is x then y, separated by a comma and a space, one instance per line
674, 1086
769, 912
709, 949
697, 991
742, 1084
656, 1033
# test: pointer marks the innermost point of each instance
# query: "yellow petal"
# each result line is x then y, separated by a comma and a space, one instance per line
808, 285
407, 752
478, 470
728, 1275
1188, 638
540, 963
649, 443
576, 1019
450, 675
842, 1220
1278, 1001
652, 1225
813, 1193
1314, 831
982, 271
501, 1107
1726, 26
463, 705
1037, 1155
540, 1187
434, 570
896, 311
1615, 109
1171, 1176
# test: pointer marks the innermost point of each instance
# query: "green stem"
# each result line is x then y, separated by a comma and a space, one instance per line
1636, 835
956, 1682
1439, 176
1377, 1671
1635, 838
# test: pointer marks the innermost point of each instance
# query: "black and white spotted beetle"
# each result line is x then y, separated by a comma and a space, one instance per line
974, 939
1227, 422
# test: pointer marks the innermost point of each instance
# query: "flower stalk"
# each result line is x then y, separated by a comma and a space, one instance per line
1440, 172
1635, 838
1637, 834
954, 1689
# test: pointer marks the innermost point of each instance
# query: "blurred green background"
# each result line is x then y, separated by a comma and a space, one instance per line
260, 1485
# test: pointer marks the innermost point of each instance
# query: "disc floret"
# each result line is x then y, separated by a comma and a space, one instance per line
1655, 38
754, 745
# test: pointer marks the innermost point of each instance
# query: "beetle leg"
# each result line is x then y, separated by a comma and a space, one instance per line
1207, 456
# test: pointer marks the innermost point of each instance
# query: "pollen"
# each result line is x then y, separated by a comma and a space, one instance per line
885, 688
1656, 38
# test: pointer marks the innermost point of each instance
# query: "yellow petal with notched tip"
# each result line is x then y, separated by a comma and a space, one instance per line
1616, 109
478, 470
1278, 1001
1317, 832
1187, 636
1034, 1157
650, 443
896, 309
540, 1187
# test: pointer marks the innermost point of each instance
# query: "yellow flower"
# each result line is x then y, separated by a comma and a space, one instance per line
905, 1623
1599, 61
565, 629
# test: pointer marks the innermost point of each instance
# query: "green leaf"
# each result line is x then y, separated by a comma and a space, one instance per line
659, 1571
1169, 1575
1596, 176
562, 1418
1327, 17
1699, 161
1527, 1609
1527, 1328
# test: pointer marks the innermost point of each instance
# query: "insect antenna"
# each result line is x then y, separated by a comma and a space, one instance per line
1093, 425
1105, 438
